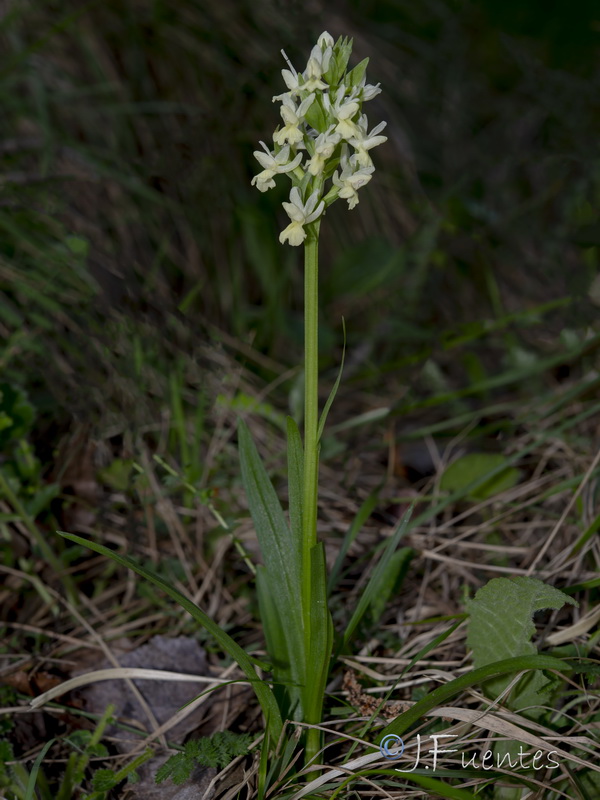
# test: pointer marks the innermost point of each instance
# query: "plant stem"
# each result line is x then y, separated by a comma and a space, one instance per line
311, 412
311, 454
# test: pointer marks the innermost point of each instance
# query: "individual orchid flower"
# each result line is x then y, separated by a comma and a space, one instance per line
343, 109
318, 64
367, 90
324, 144
273, 164
366, 141
352, 177
292, 80
301, 214
293, 116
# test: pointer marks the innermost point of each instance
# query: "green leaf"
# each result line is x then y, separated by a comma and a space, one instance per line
263, 693
390, 581
364, 512
295, 458
478, 676
501, 626
438, 788
30, 790
342, 51
321, 644
467, 472
217, 750
282, 555
103, 780
316, 116
280, 550
178, 768
372, 587
334, 389
355, 76
288, 672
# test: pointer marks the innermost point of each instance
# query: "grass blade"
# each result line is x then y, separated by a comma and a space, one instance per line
265, 696
443, 693
334, 389
30, 791
374, 583
364, 512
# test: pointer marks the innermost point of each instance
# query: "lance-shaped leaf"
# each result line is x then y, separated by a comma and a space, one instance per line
281, 552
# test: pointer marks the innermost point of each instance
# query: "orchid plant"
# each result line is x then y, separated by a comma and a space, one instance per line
324, 148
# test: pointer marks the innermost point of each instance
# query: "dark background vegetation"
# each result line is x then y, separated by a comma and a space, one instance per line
130, 236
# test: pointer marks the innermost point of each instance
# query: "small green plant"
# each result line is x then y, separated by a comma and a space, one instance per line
19, 783
21, 480
217, 750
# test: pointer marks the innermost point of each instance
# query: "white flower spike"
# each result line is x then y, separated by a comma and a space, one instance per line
322, 116
301, 214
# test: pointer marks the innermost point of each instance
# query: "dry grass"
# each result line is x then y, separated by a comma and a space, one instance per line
532, 529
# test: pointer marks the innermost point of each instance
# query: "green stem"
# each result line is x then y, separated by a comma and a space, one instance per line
311, 447
311, 412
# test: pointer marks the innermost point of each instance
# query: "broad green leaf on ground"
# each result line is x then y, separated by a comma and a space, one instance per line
467, 473
501, 626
